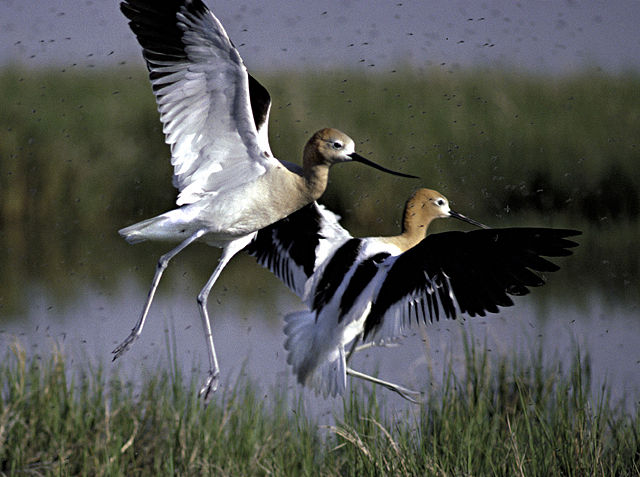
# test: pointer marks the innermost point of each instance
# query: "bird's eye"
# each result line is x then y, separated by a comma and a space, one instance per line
440, 202
337, 145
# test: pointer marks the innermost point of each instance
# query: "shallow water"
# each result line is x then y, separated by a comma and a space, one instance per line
248, 334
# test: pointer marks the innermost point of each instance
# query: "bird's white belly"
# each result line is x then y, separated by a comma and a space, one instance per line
243, 211
226, 216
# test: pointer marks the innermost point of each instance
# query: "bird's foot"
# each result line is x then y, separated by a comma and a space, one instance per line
372, 344
396, 388
408, 394
124, 346
210, 386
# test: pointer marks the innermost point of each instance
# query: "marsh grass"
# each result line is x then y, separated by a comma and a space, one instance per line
506, 416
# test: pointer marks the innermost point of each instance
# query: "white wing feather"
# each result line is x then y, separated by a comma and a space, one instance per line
202, 92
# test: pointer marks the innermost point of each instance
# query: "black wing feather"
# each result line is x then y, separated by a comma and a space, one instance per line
294, 238
480, 268
333, 275
366, 270
156, 27
260, 102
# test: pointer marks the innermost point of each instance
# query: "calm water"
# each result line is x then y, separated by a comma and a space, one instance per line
89, 303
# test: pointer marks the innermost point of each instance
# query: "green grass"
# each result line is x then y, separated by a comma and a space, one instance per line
494, 417
491, 140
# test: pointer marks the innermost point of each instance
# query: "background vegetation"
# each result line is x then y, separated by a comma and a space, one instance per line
83, 155
496, 142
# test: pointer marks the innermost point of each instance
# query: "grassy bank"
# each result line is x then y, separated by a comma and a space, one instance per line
505, 417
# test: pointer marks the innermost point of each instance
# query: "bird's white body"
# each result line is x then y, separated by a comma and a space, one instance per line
226, 216
371, 290
316, 339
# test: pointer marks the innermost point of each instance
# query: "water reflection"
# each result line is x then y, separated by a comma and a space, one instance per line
605, 265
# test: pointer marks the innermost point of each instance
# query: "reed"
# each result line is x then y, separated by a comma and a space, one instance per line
495, 416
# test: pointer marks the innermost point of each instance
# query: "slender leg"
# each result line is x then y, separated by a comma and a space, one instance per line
371, 344
401, 390
211, 384
162, 265
355, 349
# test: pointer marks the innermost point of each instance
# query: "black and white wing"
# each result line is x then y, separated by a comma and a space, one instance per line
462, 272
260, 107
295, 247
217, 130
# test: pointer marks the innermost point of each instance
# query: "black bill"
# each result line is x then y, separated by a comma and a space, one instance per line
358, 158
466, 219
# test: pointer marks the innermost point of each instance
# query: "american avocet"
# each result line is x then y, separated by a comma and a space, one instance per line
215, 118
370, 290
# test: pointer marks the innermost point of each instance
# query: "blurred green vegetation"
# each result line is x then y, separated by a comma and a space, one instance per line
490, 140
496, 142
83, 155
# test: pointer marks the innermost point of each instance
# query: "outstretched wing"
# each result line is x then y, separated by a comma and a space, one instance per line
260, 107
294, 247
202, 88
463, 272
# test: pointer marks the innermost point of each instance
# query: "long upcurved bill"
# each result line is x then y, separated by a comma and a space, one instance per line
358, 158
464, 218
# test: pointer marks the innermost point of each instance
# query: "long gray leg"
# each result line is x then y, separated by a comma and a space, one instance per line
401, 390
355, 348
162, 265
211, 384
371, 344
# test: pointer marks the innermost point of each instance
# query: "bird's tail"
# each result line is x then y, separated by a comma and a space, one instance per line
316, 364
136, 233
173, 226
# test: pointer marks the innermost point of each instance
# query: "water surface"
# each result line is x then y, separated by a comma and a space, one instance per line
88, 314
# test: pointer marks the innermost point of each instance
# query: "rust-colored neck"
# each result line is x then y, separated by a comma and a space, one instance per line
415, 222
410, 237
314, 168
